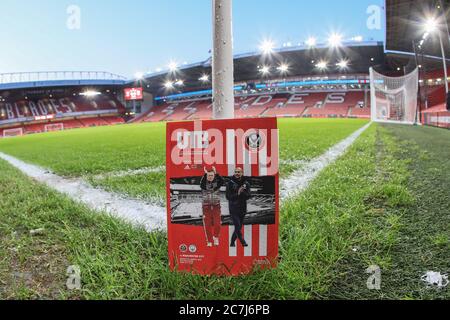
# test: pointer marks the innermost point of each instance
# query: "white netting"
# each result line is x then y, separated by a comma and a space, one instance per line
12, 132
54, 127
394, 99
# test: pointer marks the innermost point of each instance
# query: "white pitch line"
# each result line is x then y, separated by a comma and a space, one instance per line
150, 216
127, 173
300, 179
153, 217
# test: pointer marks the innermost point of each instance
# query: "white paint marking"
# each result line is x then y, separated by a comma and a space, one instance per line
153, 217
300, 180
140, 213
127, 173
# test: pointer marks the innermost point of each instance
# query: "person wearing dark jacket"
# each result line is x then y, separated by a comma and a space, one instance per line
212, 217
238, 192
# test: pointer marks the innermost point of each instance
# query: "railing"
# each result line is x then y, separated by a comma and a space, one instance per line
19, 77
437, 119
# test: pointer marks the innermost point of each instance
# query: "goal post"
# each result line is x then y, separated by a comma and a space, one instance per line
54, 127
394, 99
9, 133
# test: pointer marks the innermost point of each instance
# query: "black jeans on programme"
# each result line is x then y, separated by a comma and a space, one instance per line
238, 222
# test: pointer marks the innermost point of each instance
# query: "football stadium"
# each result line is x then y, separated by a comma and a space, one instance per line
364, 171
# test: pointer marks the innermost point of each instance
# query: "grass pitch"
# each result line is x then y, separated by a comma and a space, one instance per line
79, 152
385, 202
91, 152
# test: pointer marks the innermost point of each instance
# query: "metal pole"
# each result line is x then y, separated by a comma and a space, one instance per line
373, 99
444, 60
444, 14
222, 66
425, 79
419, 108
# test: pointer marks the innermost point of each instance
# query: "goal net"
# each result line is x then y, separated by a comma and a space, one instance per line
54, 127
394, 99
8, 133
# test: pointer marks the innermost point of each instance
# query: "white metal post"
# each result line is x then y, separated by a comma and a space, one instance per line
222, 64
373, 100
444, 59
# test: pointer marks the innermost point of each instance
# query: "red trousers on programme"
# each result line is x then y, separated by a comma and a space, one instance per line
212, 221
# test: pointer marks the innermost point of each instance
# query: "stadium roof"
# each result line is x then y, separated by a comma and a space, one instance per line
45, 79
301, 61
405, 24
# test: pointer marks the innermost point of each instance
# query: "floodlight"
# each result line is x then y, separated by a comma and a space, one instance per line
90, 93
322, 65
431, 25
173, 66
204, 78
283, 68
311, 42
267, 46
139, 75
168, 85
265, 70
343, 64
335, 40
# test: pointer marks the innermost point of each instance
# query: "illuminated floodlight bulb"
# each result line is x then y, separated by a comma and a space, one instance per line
168, 85
322, 65
343, 64
431, 25
311, 42
204, 78
139, 75
265, 70
267, 46
90, 93
283, 68
173, 66
335, 40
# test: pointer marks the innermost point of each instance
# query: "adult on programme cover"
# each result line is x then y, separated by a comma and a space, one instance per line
222, 195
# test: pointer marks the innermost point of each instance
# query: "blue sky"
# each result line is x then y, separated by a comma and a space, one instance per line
125, 37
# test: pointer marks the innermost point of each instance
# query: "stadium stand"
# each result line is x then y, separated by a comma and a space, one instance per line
67, 112
308, 104
204, 110
436, 96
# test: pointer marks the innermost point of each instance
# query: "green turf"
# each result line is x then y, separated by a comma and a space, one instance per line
385, 202
93, 150
128, 147
90, 152
149, 186
118, 261
410, 218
